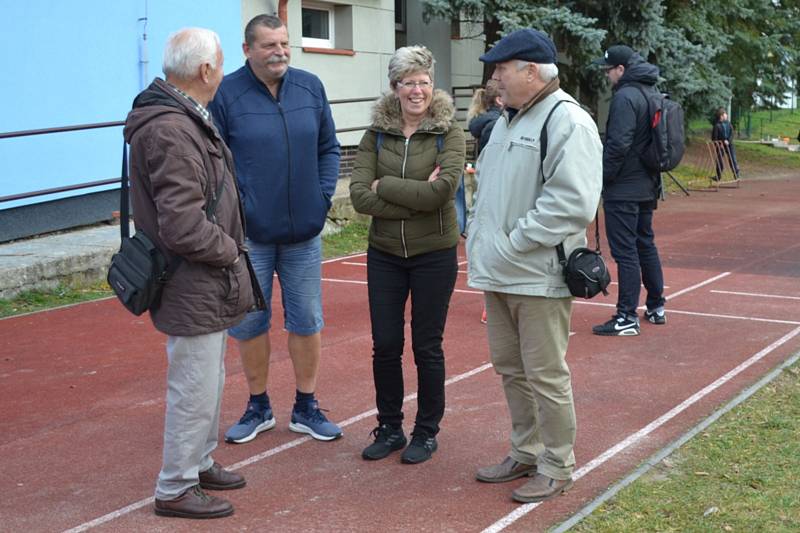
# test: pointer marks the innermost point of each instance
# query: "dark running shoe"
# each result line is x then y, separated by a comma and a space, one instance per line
387, 440
618, 325
656, 317
420, 450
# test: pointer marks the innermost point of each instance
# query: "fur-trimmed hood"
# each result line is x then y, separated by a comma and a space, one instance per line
387, 116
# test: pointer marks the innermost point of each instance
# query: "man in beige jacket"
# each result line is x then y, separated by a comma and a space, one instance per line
527, 205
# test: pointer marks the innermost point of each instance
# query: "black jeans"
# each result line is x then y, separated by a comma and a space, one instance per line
629, 229
430, 279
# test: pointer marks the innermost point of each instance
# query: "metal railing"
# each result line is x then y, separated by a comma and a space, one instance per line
98, 125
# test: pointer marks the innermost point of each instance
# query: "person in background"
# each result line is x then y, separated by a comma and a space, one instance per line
178, 161
630, 192
723, 132
405, 176
484, 110
277, 121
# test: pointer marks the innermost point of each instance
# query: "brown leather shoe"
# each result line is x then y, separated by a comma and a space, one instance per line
541, 488
194, 503
508, 470
217, 478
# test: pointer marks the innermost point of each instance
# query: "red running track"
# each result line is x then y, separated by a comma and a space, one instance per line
82, 388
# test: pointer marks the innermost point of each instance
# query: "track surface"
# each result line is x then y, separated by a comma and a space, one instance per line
82, 389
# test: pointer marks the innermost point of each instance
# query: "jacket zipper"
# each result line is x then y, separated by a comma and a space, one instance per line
403, 222
288, 170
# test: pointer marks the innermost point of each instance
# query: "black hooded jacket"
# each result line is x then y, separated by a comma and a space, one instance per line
625, 178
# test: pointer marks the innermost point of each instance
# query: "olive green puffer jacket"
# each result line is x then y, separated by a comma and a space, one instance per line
410, 215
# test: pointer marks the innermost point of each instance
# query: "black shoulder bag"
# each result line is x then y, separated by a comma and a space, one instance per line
139, 270
585, 271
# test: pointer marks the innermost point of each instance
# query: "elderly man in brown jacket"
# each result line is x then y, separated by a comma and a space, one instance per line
185, 198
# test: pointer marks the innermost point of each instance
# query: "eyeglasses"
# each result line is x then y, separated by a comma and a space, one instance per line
411, 84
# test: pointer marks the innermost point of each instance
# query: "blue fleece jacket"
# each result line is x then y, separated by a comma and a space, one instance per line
285, 152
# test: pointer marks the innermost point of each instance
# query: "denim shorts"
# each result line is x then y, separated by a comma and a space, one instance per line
299, 269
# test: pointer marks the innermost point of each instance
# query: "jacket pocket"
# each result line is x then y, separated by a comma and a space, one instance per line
235, 277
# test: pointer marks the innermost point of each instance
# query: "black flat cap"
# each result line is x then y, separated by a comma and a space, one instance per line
527, 45
616, 55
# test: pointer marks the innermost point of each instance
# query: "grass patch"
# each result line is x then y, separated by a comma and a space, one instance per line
351, 239
739, 475
763, 155
37, 300
763, 124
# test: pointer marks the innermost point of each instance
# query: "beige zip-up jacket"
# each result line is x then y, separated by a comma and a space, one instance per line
519, 218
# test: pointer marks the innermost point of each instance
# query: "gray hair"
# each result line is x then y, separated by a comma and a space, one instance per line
268, 21
189, 49
410, 60
547, 71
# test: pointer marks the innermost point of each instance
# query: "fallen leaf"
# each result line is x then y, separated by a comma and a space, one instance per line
711, 510
701, 474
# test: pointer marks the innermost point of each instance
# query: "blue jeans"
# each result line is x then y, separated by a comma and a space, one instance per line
429, 278
299, 268
629, 229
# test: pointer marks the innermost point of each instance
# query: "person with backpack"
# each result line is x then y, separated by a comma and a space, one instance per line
630, 190
723, 132
406, 172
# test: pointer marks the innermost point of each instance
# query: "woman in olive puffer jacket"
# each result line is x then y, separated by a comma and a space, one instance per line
405, 176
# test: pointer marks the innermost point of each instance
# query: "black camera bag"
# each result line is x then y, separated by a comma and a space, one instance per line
139, 270
585, 271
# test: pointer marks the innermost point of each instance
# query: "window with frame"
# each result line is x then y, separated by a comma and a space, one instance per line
318, 25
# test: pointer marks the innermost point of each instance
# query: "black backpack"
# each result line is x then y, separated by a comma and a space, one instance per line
667, 138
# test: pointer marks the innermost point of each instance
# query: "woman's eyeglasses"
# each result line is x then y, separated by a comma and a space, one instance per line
411, 84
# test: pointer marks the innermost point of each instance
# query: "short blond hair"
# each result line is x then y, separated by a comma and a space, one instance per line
410, 60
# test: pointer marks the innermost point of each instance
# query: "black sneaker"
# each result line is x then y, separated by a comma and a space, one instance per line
618, 325
420, 450
387, 440
656, 317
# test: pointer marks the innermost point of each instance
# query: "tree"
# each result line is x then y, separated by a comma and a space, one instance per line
710, 52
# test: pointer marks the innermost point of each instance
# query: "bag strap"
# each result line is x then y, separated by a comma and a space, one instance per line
124, 209
562, 258
124, 203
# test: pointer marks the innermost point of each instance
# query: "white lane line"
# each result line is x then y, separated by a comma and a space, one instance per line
353, 263
649, 428
265, 454
758, 295
698, 285
354, 281
345, 258
602, 304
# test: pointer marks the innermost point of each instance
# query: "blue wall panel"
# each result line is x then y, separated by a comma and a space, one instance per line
77, 62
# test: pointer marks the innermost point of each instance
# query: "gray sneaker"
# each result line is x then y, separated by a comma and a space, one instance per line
508, 470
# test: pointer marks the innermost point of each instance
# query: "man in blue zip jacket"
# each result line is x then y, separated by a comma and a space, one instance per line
278, 124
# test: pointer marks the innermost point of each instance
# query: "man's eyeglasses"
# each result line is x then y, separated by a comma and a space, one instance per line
411, 84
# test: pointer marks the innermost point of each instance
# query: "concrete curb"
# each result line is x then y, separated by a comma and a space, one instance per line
44, 262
